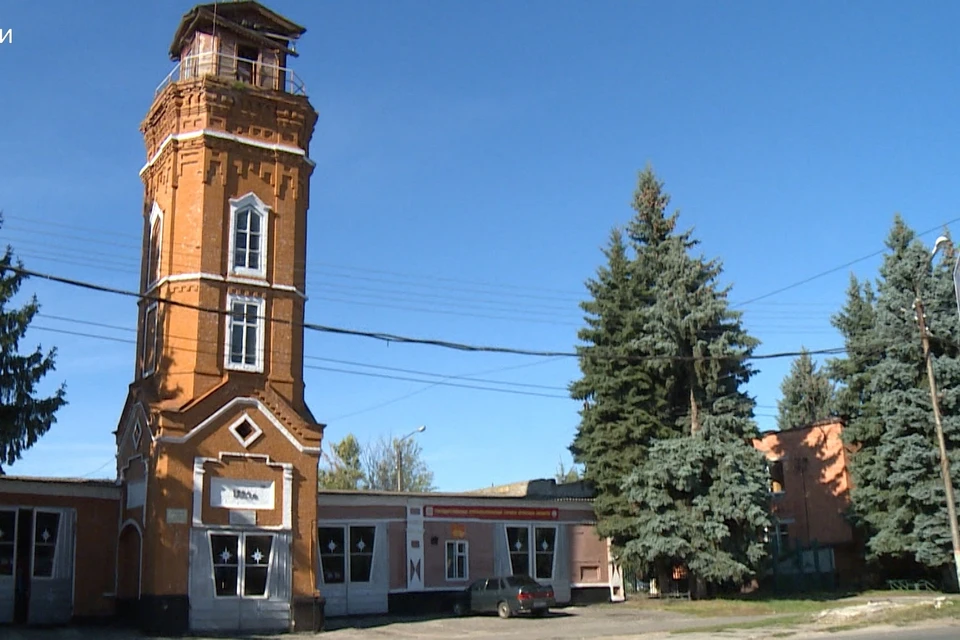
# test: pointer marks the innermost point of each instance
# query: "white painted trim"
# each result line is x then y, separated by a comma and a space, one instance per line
400, 500
249, 202
223, 135
155, 213
589, 585
240, 402
249, 440
122, 476
342, 521
452, 588
466, 560
187, 277
261, 325
54, 488
286, 501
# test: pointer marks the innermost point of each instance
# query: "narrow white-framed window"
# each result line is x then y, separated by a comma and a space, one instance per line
150, 339
155, 246
457, 560
518, 542
246, 326
544, 550
46, 529
248, 236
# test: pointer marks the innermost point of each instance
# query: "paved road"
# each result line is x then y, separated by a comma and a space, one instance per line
607, 623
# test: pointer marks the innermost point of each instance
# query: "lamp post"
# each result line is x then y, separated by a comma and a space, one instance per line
399, 442
944, 461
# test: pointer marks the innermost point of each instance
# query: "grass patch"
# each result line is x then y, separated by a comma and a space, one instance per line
778, 621
738, 606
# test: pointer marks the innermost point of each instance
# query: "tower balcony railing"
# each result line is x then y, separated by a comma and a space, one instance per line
238, 70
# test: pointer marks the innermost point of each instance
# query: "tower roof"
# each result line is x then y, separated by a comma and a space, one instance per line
246, 18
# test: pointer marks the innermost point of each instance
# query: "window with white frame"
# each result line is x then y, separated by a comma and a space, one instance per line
46, 526
532, 551
241, 564
248, 236
246, 326
150, 326
156, 239
457, 559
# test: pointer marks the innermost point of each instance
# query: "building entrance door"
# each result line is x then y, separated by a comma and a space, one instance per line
240, 579
348, 555
36, 565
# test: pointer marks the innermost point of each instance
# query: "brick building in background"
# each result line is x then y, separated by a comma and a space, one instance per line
810, 489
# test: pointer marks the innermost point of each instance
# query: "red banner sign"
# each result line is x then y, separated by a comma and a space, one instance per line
492, 513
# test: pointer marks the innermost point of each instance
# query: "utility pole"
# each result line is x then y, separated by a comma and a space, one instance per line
944, 461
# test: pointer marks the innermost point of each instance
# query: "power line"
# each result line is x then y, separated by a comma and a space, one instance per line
835, 269
347, 371
589, 352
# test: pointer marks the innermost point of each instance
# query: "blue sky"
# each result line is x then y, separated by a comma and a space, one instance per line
493, 145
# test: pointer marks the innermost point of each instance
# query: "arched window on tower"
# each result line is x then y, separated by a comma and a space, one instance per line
156, 239
248, 236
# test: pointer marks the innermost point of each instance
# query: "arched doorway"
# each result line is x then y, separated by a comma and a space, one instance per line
129, 549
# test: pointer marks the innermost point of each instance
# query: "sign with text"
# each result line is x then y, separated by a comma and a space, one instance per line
492, 513
242, 494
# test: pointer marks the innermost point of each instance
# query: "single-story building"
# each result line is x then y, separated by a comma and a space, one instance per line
62, 541
385, 552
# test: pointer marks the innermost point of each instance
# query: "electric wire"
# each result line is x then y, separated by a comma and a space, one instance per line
585, 352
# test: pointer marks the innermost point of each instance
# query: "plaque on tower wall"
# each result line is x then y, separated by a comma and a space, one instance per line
242, 494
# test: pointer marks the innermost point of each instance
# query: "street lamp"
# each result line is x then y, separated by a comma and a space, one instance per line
400, 441
944, 461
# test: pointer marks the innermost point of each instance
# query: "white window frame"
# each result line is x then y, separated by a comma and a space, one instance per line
153, 268
242, 562
260, 303
531, 552
456, 553
252, 203
56, 545
149, 368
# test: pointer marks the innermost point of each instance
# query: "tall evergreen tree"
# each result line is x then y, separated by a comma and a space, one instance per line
898, 492
853, 375
700, 496
621, 410
665, 434
24, 415
807, 394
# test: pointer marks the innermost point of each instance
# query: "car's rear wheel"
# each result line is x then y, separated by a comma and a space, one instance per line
503, 610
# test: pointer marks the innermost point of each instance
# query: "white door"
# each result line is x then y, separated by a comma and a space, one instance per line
351, 576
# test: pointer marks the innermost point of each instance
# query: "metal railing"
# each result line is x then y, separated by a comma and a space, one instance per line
238, 70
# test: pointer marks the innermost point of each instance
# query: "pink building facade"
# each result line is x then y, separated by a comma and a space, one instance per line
388, 552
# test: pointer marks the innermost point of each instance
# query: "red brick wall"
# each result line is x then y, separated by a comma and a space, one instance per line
816, 482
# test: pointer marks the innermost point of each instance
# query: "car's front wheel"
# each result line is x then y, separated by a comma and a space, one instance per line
503, 610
